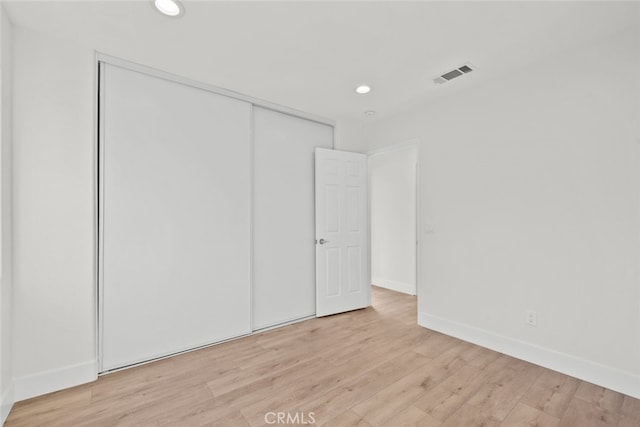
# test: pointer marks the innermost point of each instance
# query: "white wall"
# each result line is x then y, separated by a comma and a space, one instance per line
393, 219
6, 383
348, 134
54, 287
532, 185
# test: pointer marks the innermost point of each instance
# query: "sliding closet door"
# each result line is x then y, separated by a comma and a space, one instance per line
175, 203
284, 225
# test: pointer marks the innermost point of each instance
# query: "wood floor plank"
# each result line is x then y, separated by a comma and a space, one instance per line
260, 369
629, 413
370, 367
399, 395
347, 419
607, 401
484, 357
583, 414
203, 416
337, 401
523, 415
304, 388
428, 421
48, 408
445, 399
552, 393
270, 385
435, 344
499, 397
470, 416
180, 403
409, 417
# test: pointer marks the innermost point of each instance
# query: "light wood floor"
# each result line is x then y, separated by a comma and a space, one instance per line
368, 367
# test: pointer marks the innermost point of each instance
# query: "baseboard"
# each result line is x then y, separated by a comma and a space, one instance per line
6, 403
602, 375
57, 379
405, 288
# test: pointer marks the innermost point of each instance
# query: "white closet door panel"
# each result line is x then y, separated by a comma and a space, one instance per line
176, 205
284, 237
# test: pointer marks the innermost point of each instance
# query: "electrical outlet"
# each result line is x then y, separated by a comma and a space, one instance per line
531, 317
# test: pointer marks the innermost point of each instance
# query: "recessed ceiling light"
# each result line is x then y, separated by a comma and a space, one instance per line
169, 7
370, 113
362, 89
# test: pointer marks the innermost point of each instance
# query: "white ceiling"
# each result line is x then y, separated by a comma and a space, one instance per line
311, 55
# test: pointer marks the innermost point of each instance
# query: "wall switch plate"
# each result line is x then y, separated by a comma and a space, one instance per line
531, 317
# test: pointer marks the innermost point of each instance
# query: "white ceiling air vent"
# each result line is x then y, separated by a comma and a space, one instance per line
450, 75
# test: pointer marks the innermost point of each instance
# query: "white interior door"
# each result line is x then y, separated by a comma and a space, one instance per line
283, 210
342, 232
175, 222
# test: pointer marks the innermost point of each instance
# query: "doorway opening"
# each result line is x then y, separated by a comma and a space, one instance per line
393, 174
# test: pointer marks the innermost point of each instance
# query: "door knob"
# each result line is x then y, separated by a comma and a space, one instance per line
322, 241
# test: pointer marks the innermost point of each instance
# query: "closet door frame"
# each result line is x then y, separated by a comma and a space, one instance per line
100, 61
